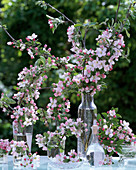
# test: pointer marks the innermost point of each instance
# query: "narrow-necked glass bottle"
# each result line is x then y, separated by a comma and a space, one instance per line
87, 111
95, 153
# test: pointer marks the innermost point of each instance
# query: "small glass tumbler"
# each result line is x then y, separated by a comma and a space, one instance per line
17, 160
3, 158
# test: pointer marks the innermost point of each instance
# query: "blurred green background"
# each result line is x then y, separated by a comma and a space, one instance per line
23, 17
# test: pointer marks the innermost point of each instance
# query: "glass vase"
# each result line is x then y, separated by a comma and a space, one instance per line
87, 111
3, 158
23, 134
54, 149
17, 160
128, 152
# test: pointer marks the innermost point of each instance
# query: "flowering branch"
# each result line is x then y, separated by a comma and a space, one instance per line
8, 33
59, 12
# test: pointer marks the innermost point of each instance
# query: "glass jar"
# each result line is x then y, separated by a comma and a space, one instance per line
53, 148
17, 160
3, 157
128, 152
87, 111
23, 134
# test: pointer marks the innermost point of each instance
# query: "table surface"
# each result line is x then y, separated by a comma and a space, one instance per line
45, 164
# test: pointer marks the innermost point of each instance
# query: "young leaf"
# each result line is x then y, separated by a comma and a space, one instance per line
49, 60
43, 60
99, 117
127, 33
55, 67
104, 114
78, 25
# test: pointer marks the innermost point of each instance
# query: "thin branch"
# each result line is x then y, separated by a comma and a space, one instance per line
7, 33
59, 12
45, 88
126, 17
4, 103
117, 12
84, 40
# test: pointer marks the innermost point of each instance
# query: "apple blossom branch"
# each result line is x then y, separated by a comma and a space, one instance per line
7, 33
59, 12
127, 15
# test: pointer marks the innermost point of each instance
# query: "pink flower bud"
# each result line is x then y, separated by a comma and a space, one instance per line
108, 54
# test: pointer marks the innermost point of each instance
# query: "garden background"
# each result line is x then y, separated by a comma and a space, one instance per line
23, 17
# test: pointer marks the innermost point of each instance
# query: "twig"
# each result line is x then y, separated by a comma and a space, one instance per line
121, 26
45, 88
59, 12
117, 12
84, 44
7, 105
126, 17
7, 33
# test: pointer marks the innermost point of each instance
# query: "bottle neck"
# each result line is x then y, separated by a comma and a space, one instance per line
87, 98
94, 138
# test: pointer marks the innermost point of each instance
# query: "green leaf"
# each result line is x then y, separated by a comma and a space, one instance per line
55, 67
11, 101
120, 142
99, 117
118, 116
43, 60
116, 110
119, 150
49, 60
104, 114
78, 25
127, 33
37, 63
91, 24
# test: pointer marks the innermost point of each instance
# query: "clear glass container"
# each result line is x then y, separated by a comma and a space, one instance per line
128, 152
54, 150
70, 165
87, 111
3, 158
17, 160
23, 134
95, 152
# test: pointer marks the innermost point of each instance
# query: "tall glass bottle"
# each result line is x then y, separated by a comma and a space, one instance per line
95, 152
87, 111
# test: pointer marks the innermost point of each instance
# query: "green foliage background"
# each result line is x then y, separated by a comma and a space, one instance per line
23, 17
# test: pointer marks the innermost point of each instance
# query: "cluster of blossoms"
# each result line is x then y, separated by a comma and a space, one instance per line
24, 116
50, 22
71, 158
4, 146
57, 109
113, 133
18, 147
32, 46
52, 139
30, 160
97, 62
71, 127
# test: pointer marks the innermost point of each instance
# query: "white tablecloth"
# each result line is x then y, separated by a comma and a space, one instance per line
46, 165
